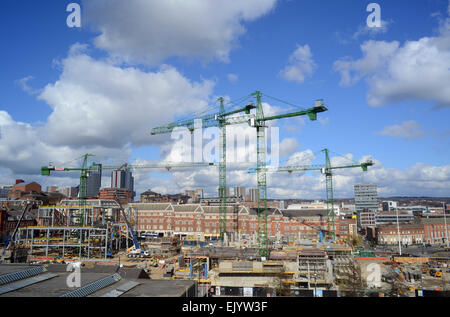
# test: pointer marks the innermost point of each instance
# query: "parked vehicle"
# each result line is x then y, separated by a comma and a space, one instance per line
137, 253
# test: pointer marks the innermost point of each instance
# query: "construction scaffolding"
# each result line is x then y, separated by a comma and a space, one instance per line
84, 242
59, 233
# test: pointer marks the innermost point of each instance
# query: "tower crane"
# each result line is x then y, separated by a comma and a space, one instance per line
256, 120
207, 121
85, 171
325, 169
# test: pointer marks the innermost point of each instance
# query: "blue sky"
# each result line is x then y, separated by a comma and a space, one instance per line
404, 128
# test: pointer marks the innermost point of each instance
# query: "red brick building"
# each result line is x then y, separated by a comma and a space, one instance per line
195, 219
435, 231
9, 217
20, 190
124, 195
432, 231
409, 234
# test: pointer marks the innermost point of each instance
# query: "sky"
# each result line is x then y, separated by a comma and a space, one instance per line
135, 65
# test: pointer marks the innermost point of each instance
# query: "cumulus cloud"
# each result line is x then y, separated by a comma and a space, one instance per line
420, 179
232, 78
151, 31
407, 130
25, 148
288, 147
97, 108
23, 83
372, 31
96, 103
414, 70
300, 66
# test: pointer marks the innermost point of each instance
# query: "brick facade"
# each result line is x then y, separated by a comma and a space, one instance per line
195, 219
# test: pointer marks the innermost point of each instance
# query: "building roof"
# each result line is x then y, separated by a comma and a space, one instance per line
299, 213
56, 283
187, 208
216, 209
151, 206
26, 184
149, 192
270, 211
434, 221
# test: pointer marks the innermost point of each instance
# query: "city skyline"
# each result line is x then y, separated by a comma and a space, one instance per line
64, 99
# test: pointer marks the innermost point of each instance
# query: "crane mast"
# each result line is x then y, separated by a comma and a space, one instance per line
220, 120
256, 120
326, 169
259, 122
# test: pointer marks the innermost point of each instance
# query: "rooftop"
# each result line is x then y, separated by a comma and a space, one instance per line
52, 282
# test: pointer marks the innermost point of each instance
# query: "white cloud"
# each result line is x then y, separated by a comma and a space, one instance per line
288, 147
151, 31
407, 130
232, 78
23, 83
372, 31
96, 103
97, 108
25, 148
416, 70
300, 66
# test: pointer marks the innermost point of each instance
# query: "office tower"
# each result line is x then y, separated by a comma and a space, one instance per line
123, 179
365, 199
253, 194
239, 191
94, 181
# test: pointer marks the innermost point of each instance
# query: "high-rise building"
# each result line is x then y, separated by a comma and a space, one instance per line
4, 191
366, 199
239, 191
70, 192
123, 179
253, 194
94, 181
227, 191
195, 194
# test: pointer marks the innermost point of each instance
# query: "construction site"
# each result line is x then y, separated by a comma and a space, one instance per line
221, 249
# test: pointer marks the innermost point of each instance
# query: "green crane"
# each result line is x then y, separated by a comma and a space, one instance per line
86, 170
326, 169
258, 122
215, 120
